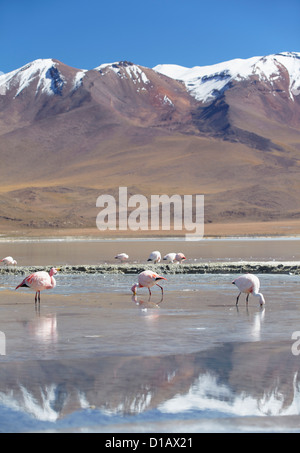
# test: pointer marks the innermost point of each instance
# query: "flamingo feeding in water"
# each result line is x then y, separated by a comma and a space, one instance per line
147, 279
249, 284
155, 257
180, 257
9, 261
122, 257
39, 281
171, 257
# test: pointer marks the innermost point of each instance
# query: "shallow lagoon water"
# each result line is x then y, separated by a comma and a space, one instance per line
45, 252
96, 359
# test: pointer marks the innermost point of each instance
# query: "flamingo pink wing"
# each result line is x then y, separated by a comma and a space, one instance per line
244, 283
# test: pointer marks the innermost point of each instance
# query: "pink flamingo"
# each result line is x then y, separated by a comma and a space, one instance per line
171, 257
148, 279
39, 281
249, 284
180, 257
9, 261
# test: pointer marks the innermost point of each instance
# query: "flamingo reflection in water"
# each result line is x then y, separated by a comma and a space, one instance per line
44, 329
144, 305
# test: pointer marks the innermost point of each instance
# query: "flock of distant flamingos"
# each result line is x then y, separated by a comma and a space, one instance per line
41, 280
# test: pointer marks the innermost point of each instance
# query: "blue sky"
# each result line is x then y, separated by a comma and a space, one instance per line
87, 33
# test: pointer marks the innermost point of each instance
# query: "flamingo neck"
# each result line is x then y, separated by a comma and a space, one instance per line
261, 297
53, 282
134, 287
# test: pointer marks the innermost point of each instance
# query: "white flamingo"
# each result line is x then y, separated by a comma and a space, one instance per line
9, 261
170, 257
249, 284
122, 257
155, 257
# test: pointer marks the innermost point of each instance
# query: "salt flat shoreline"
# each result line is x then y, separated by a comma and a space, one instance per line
262, 267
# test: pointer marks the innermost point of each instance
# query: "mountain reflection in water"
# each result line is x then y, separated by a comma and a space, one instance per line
104, 360
233, 379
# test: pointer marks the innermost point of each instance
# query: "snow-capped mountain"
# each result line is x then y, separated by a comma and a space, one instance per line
48, 87
45, 74
206, 83
230, 131
131, 71
162, 95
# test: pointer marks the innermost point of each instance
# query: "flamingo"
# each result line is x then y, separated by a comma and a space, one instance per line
180, 257
148, 279
39, 281
249, 284
155, 257
170, 257
122, 257
9, 261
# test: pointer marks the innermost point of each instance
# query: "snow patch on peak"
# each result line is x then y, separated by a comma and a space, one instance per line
136, 74
43, 71
77, 82
2, 84
167, 101
206, 83
125, 70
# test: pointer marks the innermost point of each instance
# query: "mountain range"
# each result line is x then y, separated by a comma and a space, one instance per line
230, 131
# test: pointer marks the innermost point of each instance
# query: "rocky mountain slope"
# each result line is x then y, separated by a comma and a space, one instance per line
229, 131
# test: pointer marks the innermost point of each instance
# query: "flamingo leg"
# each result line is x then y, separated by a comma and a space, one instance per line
37, 297
237, 299
247, 298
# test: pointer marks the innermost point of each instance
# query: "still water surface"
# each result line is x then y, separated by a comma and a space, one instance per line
96, 359
59, 252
